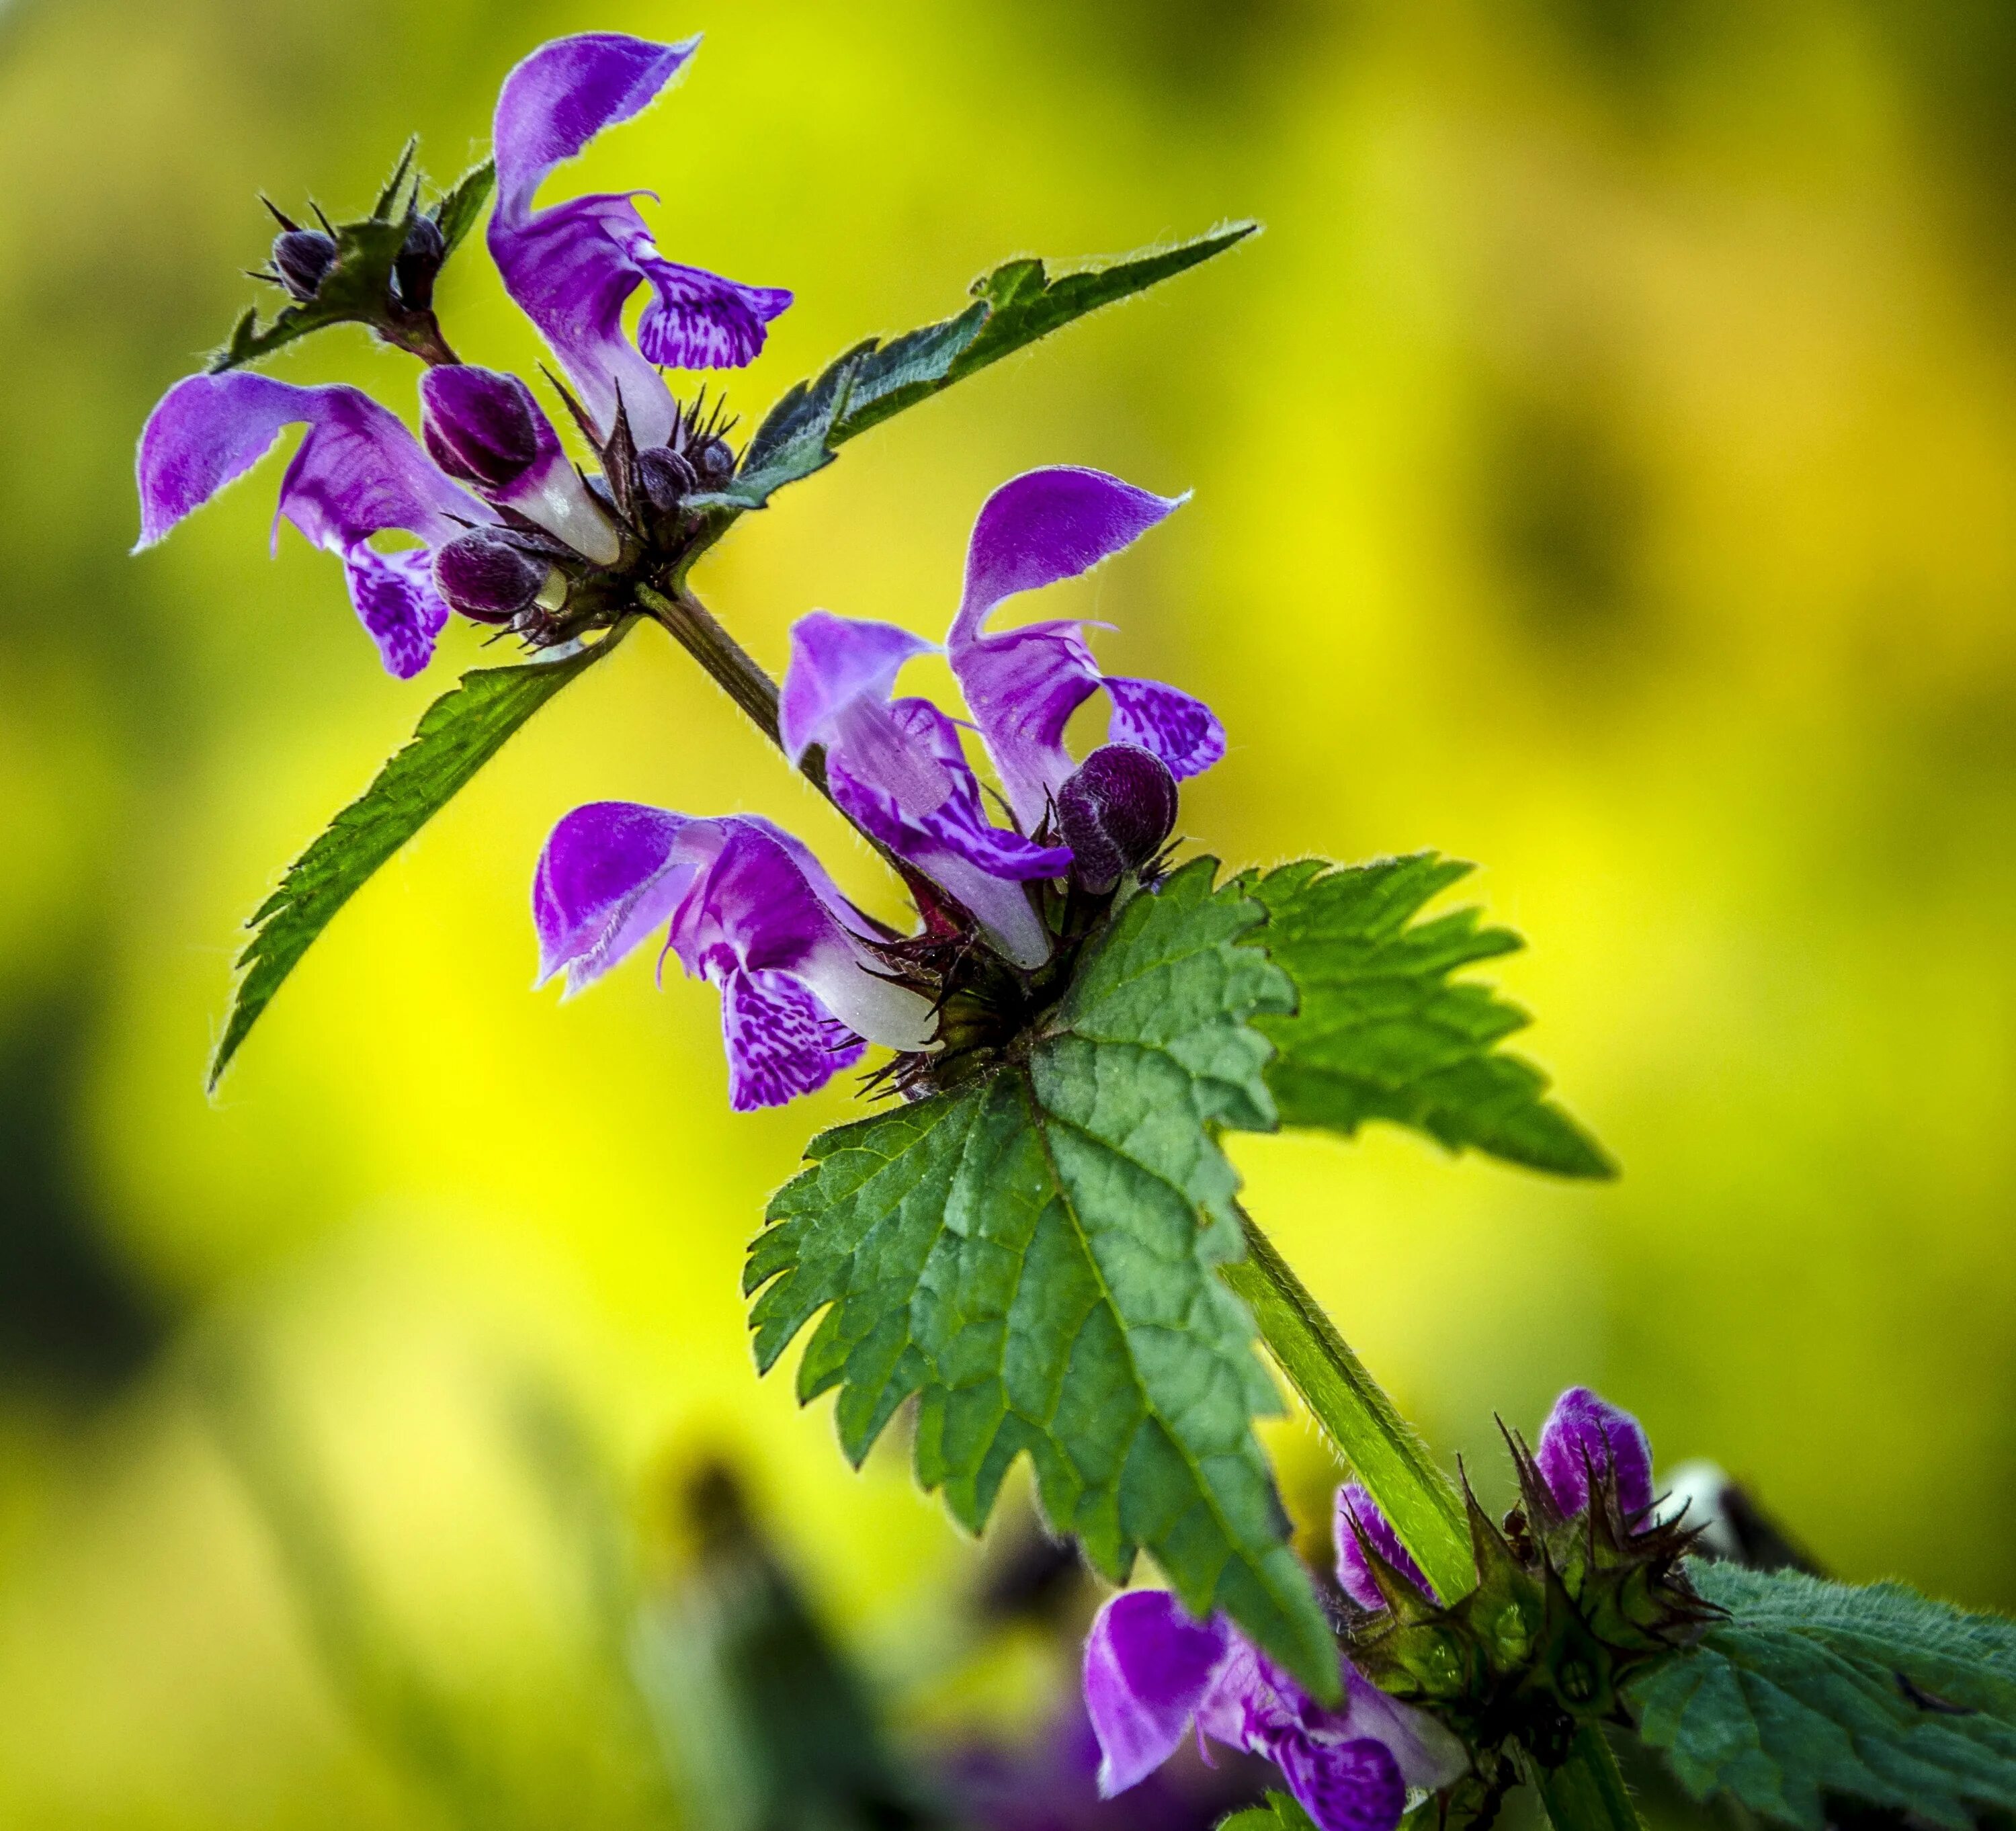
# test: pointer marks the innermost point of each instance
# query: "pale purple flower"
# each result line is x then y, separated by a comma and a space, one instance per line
1358, 1513
359, 471
745, 906
896, 767
572, 266
1152, 1673
1584, 1433
1022, 685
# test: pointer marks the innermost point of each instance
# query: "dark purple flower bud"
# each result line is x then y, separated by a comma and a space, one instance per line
481, 427
713, 461
417, 262
666, 477
488, 576
302, 258
1115, 813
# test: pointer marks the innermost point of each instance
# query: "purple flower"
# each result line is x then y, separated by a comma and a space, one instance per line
1151, 1673
572, 266
1022, 685
897, 769
1358, 1513
358, 473
745, 906
485, 430
1585, 1434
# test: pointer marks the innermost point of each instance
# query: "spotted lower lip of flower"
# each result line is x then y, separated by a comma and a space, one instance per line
896, 767
1151, 1672
745, 906
358, 473
485, 430
572, 266
1022, 685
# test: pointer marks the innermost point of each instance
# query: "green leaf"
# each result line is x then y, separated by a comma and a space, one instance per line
1017, 303
1034, 1257
460, 210
457, 734
1379, 1030
1280, 1813
353, 290
1812, 1690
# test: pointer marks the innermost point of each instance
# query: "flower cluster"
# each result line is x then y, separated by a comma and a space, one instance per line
512, 533
1497, 1664
806, 979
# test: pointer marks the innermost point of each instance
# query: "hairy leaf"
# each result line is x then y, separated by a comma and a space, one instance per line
457, 734
1034, 1257
1812, 1690
462, 208
1280, 1812
1380, 1031
1015, 304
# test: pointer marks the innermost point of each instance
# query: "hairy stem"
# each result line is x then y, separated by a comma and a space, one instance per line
1586, 1792
1385, 1451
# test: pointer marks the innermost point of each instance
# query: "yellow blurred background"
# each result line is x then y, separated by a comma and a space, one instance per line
1605, 470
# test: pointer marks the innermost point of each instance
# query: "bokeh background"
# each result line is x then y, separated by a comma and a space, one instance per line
1605, 470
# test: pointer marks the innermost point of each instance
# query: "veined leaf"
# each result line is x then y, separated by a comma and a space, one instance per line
1380, 1031
1813, 1691
457, 734
462, 208
1280, 1812
1015, 304
1034, 1257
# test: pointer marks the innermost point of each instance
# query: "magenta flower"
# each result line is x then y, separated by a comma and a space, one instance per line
533, 532
572, 266
1022, 685
744, 906
1152, 1673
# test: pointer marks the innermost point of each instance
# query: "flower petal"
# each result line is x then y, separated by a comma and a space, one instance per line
837, 661
358, 471
1585, 1432
1353, 1573
1429, 1755
397, 602
781, 1041
1147, 1667
1353, 1786
610, 874
1048, 525
572, 267
1184, 732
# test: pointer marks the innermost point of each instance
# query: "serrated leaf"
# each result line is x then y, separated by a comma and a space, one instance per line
1813, 1690
1015, 304
462, 208
457, 734
1380, 1031
1034, 1258
354, 289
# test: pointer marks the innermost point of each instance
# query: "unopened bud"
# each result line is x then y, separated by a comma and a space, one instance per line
481, 427
666, 477
417, 262
1115, 813
488, 576
713, 461
302, 258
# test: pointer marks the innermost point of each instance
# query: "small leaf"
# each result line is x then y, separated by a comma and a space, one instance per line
1813, 1691
1280, 1813
353, 290
1380, 1031
457, 734
1017, 304
1033, 1257
388, 197
462, 208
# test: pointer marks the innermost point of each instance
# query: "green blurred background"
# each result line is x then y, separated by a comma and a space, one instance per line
1605, 470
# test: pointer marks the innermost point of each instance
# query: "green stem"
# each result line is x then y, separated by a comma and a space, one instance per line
1386, 1451
1586, 1792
